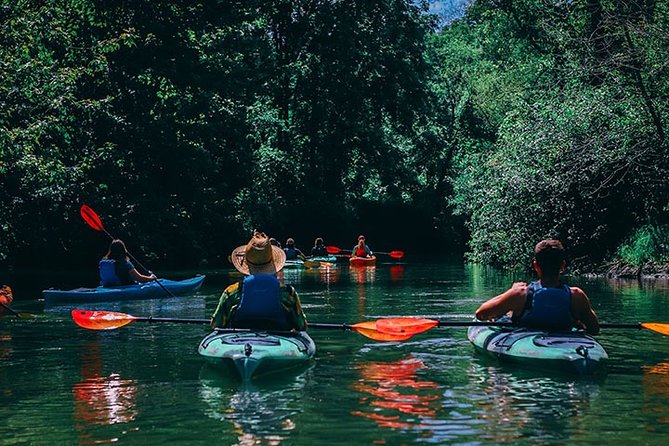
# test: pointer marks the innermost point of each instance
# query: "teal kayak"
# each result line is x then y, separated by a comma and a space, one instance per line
255, 353
294, 264
148, 290
571, 352
326, 259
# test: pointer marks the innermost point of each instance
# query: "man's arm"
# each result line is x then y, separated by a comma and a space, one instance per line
583, 312
512, 299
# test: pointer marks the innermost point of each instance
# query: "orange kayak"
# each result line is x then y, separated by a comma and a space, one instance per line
362, 261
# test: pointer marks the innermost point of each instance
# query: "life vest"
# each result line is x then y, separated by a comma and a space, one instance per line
260, 306
291, 253
547, 308
110, 275
361, 251
319, 251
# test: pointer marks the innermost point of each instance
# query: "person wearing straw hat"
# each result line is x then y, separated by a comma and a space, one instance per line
259, 301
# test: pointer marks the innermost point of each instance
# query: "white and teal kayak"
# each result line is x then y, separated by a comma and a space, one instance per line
148, 290
324, 259
572, 352
255, 353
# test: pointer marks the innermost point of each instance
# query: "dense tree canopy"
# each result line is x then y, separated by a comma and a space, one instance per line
187, 124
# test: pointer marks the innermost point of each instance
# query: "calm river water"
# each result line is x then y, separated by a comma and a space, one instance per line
146, 384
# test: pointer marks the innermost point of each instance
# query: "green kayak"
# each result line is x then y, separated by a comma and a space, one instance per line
572, 352
255, 353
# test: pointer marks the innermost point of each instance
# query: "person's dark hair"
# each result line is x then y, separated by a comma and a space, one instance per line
117, 250
549, 255
318, 241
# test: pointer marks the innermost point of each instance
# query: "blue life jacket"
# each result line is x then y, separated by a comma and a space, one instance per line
291, 253
260, 306
547, 308
114, 274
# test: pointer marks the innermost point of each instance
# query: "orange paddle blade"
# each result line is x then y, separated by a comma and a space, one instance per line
405, 325
369, 330
101, 320
332, 249
656, 327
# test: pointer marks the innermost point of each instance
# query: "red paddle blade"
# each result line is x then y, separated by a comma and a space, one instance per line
332, 250
101, 320
396, 254
369, 330
405, 325
91, 218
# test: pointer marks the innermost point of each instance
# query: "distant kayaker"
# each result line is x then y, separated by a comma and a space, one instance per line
546, 303
319, 249
361, 249
292, 253
6, 298
116, 268
259, 301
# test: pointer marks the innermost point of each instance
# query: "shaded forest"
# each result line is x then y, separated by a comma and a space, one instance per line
185, 125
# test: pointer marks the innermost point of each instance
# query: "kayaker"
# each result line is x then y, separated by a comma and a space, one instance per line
292, 253
546, 303
362, 249
260, 300
6, 298
319, 248
116, 269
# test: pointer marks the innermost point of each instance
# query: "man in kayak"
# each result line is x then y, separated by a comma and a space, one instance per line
292, 253
260, 300
546, 303
116, 268
361, 249
6, 298
319, 249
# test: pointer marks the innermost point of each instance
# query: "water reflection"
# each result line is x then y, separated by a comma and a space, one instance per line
517, 404
394, 396
396, 273
101, 400
656, 391
363, 274
257, 413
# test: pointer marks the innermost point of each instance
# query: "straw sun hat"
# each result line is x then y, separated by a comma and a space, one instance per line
258, 256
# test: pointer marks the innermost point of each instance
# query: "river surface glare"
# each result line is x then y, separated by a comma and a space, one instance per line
146, 384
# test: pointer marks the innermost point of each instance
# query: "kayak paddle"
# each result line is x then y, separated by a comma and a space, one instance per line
111, 320
17, 314
91, 218
414, 325
397, 254
5, 290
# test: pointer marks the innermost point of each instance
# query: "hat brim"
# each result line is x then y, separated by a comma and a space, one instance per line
273, 267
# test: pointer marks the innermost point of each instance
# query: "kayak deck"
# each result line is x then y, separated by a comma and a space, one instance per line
362, 261
148, 290
256, 353
571, 352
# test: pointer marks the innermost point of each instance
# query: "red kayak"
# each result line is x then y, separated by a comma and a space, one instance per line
362, 261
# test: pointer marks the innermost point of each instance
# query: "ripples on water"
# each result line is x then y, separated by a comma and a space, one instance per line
145, 384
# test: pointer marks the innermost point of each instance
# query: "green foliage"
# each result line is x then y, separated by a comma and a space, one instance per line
648, 243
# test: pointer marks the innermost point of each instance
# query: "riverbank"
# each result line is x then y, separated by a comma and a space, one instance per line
621, 270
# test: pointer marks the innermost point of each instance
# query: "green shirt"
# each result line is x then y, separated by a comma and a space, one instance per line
232, 296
